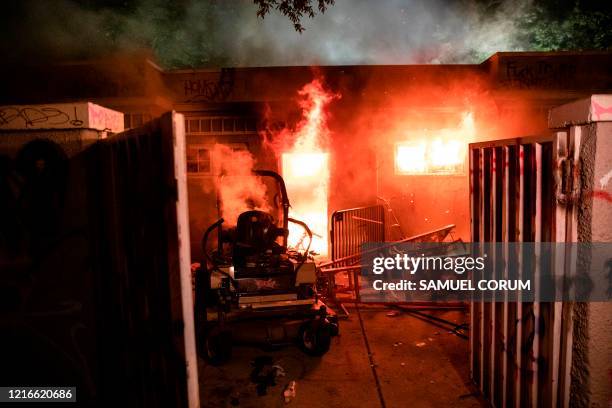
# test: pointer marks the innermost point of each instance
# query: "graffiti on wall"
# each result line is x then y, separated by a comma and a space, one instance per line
210, 90
60, 116
601, 112
538, 74
30, 116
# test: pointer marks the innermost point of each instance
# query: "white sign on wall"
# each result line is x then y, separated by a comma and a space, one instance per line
81, 115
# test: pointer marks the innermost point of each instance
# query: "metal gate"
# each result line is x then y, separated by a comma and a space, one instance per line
353, 227
349, 230
521, 191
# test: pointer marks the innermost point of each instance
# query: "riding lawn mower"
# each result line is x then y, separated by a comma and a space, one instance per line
253, 289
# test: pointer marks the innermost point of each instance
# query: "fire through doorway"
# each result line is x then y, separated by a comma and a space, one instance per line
307, 176
276, 203
305, 168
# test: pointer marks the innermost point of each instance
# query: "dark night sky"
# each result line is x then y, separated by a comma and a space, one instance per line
189, 33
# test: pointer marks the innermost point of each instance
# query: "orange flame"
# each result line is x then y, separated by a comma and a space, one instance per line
438, 152
306, 169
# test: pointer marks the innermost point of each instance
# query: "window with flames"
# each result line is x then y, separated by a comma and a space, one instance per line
439, 151
430, 157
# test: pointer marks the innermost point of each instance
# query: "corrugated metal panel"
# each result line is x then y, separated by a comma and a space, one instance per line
520, 352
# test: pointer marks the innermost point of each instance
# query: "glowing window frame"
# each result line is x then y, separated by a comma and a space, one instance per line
429, 169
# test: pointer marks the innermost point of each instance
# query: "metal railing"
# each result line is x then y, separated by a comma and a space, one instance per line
353, 227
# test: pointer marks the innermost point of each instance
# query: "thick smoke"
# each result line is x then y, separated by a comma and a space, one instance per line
239, 190
195, 33
389, 32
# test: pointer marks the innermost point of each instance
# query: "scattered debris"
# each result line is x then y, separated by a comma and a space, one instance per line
289, 393
264, 374
397, 344
280, 371
392, 313
420, 344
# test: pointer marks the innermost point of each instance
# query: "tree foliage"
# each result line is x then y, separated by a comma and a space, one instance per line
198, 33
295, 10
547, 27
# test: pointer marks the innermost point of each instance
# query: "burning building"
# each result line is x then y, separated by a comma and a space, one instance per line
408, 123
396, 145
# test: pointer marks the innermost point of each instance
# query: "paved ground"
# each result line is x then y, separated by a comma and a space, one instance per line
377, 361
